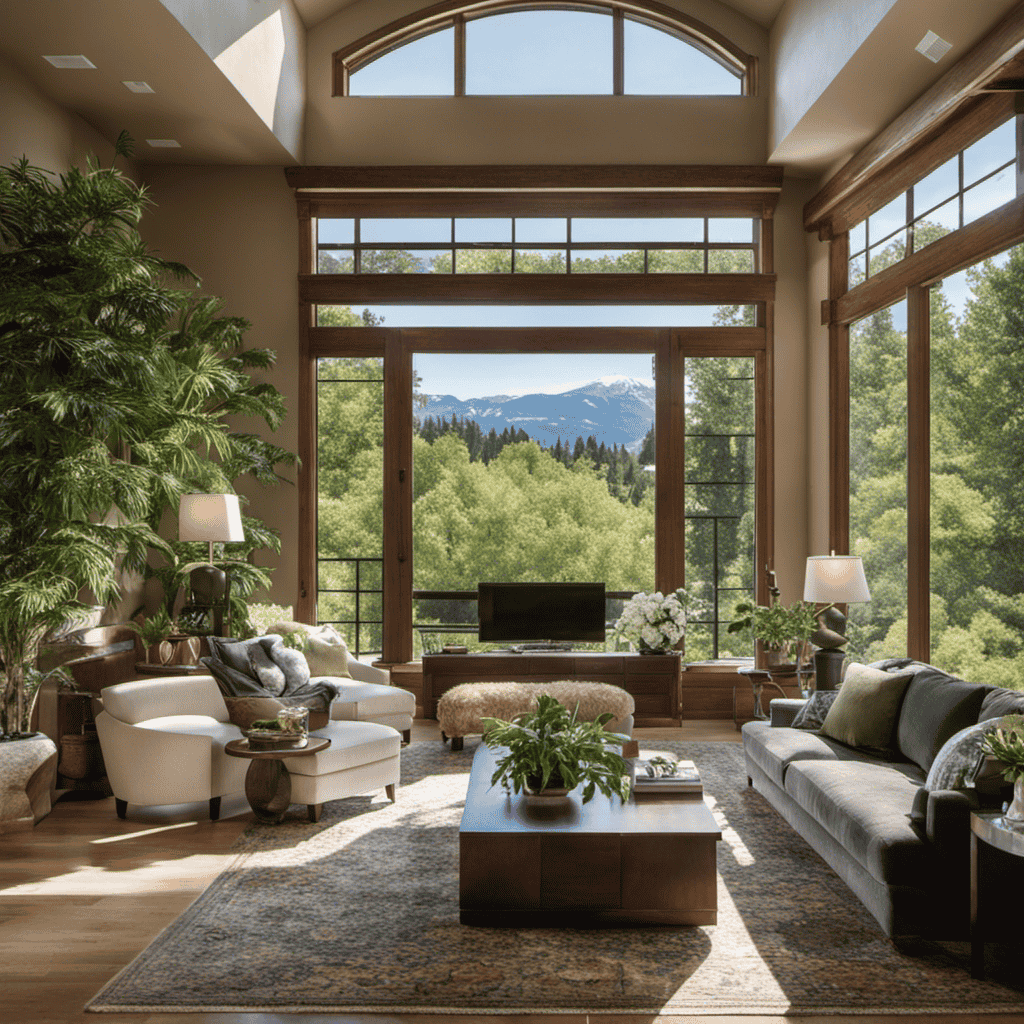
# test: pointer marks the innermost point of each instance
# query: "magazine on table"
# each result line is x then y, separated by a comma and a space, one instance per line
658, 775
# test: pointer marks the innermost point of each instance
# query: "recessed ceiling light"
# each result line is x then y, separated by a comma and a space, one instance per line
70, 60
164, 143
138, 86
933, 47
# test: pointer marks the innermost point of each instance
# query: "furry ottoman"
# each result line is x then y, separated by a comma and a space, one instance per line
461, 709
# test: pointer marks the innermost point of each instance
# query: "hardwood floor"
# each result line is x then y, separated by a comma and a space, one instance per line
83, 893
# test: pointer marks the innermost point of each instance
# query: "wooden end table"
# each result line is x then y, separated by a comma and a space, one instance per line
987, 827
268, 786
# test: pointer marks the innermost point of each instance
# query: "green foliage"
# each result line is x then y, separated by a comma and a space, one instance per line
156, 627
778, 626
1007, 744
552, 747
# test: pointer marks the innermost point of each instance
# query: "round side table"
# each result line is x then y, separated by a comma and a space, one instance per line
989, 828
268, 786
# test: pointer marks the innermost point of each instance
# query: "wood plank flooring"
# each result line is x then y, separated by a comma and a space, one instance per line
83, 893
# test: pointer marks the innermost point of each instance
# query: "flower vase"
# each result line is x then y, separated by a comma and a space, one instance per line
645, 649
1015, 812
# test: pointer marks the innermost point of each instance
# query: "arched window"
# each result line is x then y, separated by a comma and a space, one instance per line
511, 47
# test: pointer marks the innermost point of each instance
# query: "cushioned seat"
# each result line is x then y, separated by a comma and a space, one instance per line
866, 808
361, 701
775, 749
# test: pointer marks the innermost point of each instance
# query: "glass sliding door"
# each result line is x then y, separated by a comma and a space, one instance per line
878, 480
720, 492
350, 446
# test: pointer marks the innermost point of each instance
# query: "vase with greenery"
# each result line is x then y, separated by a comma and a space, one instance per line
115, 393
784, 630
1007, 744
551, 749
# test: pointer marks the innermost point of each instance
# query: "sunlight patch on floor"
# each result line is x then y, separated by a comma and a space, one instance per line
729, 835
185, 873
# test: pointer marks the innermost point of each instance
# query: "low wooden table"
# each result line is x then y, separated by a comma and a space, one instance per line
647, 862
268, 786
987, 827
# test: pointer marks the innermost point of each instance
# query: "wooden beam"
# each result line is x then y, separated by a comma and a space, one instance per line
954, 252
918, 473
670, 457
543, 289
305, 598
838, 403
358, 342
548, 177
397, 500
973, 71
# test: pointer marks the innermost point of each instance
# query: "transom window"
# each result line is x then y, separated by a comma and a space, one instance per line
536, 245
501, 48
976, 181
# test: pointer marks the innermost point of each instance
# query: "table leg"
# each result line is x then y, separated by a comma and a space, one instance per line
977, 940
268, 788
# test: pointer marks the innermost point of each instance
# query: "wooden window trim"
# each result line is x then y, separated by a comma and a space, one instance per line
407, 29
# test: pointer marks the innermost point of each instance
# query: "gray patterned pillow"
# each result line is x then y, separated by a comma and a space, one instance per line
270, 674
960, 757
293, 663
812, 714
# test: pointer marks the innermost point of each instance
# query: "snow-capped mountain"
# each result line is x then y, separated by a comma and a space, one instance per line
616, 410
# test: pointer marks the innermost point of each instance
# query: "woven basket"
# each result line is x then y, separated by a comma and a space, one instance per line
80, 756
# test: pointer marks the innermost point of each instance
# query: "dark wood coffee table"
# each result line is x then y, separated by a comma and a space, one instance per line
648, 862
268, 786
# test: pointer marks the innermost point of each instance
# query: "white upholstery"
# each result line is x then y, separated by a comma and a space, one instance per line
369, 697
163, 743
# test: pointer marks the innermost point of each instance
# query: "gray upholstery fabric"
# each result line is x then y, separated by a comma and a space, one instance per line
935, 706
270, 674
233, 683
999, 702
812, 714
235, 653
293, 663
866, 808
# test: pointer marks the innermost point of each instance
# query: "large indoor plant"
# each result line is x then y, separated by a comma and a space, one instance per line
551, 749
783, 630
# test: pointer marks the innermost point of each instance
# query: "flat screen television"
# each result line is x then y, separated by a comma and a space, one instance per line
572, 612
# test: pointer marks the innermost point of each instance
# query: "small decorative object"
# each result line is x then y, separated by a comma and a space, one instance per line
654, 623
286, 732
664, 775
1007, 744
455, 649
294, 721
551, 751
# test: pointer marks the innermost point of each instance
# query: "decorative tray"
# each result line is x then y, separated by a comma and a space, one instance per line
269, 739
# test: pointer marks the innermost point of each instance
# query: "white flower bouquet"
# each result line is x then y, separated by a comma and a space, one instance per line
654, 622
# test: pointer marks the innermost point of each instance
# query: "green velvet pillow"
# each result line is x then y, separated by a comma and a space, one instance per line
866, 711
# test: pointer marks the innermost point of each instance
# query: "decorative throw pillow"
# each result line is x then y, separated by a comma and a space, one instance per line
231, 682
812, 714
327, 653
234, 653
243, 711
268, 672
293, 663
865, 712
960, 757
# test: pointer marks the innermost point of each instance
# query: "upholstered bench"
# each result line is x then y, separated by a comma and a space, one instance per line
461, 709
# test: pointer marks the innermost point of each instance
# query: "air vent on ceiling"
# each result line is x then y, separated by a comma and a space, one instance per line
138, 86
70, 60
933, 47
164, 143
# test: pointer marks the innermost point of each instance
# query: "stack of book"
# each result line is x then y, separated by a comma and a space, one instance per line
685, 779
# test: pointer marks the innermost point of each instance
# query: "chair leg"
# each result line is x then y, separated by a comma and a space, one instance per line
456, 743
315, 810
407, 736
390, 790
214, 808
444, 736
122, 807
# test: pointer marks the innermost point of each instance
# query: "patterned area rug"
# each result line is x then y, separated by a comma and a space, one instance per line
359, 912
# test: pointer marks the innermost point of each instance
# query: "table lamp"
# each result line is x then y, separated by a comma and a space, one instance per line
210, 517
833, 579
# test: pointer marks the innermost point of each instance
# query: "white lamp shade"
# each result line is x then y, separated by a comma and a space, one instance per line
835, 579
210, 517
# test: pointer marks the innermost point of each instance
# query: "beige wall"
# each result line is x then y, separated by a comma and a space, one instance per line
235, 228
34, 126
523, 130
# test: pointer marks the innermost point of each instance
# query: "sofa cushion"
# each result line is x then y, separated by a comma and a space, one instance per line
812, 714
773, 750
143, 699
936, 706
327, 653
357, 700
866, 711
293, 663
866, 807
999, 701
352, 744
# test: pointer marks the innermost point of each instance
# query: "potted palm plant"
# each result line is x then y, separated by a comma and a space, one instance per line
550, 752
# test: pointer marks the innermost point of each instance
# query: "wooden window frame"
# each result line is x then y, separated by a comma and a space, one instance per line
455, 13
976, 95
397, 345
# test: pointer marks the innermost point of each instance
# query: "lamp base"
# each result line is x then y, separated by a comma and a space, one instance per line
209, 587
828, 669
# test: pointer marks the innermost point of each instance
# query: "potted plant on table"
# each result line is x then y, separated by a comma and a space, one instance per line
550, 752
784, 631
654, 623
1007, 744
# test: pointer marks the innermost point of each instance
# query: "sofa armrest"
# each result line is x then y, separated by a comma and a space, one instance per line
367, 673
783, 710
948, 819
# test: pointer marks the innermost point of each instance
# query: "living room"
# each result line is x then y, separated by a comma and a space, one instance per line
845, 304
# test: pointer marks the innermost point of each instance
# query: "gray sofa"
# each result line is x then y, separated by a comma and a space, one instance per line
903, 850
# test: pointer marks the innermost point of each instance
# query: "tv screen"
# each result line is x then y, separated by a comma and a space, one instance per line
541, 611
